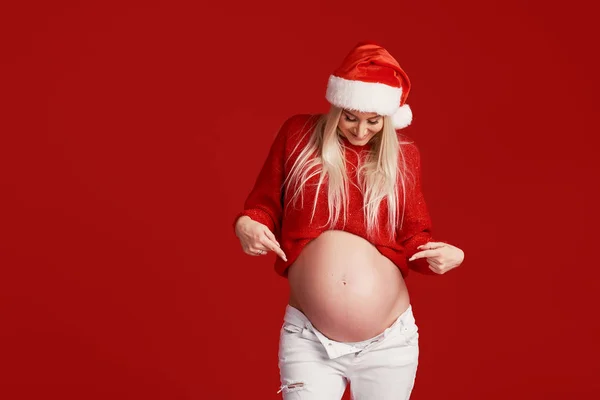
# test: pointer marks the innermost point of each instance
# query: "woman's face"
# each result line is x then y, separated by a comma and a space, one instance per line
359, 127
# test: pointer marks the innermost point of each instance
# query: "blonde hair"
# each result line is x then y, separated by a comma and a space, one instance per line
378, 177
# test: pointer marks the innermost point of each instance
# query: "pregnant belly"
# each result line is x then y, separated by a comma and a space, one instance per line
347, 289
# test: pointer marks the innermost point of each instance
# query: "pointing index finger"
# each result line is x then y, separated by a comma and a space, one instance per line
423, 254
273, 246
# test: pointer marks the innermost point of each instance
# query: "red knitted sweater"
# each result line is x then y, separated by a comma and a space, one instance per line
292, 226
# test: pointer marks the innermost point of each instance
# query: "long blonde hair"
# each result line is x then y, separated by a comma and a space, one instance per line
378, 177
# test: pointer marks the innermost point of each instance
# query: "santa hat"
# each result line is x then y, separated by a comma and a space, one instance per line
371, 80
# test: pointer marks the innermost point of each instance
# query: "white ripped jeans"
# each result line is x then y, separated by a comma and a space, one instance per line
313, 367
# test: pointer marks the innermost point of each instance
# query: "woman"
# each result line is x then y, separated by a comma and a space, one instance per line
339, 201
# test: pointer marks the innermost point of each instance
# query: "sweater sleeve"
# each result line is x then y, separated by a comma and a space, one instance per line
264, 203
416, 227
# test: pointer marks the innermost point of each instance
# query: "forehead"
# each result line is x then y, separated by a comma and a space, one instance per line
361, 115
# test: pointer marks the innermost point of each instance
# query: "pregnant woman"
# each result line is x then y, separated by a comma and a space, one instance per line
339, 201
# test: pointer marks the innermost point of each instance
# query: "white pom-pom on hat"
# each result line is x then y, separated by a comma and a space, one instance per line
402, 117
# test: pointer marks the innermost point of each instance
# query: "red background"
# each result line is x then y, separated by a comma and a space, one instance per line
132, 132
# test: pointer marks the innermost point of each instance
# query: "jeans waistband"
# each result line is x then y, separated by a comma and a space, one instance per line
298, 318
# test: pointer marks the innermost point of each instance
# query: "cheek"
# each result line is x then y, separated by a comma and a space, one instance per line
377, 128
343, 125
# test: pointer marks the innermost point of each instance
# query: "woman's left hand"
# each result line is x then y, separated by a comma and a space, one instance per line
441, 257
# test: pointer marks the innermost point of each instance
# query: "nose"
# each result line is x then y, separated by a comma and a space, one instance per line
360, 131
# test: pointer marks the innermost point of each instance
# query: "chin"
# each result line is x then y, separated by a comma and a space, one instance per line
357, 142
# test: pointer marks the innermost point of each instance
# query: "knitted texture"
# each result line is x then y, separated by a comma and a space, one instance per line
292, 225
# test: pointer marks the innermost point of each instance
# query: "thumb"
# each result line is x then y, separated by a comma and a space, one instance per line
270, 235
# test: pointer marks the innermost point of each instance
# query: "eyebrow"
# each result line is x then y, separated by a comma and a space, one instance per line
348, 112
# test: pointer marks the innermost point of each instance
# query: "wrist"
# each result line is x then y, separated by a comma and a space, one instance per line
240, 221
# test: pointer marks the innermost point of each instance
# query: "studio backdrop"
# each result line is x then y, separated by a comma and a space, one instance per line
131, 133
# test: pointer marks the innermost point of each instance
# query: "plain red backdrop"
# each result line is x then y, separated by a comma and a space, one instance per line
131, 133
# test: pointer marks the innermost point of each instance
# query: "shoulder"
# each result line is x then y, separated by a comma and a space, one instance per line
299, 123
409, 149
296, 130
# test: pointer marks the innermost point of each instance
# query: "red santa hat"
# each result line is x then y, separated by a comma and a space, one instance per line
371, 80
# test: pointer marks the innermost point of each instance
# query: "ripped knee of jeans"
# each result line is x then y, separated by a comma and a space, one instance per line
291, 387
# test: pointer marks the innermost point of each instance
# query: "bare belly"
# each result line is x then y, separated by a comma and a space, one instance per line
346, 287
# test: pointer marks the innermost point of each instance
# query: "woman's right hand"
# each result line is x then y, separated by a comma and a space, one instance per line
256, 238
